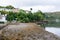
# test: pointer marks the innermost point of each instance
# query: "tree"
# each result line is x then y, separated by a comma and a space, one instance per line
22, 16
10, 17
9, 7
30, 16
31, 9
1, 6
38, 16
4, 12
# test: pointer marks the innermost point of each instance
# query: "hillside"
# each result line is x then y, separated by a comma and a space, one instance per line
53, 18
53, 14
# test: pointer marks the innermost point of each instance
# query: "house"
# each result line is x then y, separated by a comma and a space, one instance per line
3, 18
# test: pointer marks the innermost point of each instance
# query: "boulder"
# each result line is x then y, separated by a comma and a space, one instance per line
26, 31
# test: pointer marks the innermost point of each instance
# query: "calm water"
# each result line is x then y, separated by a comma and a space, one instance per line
54, 30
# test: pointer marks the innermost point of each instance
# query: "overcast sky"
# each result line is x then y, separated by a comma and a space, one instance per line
43, 5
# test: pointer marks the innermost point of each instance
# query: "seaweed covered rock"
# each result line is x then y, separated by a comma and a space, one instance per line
27, 31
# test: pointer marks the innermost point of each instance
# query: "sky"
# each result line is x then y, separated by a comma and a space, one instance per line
43, 5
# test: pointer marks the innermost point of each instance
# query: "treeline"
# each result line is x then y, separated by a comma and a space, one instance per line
7, 7
23, 16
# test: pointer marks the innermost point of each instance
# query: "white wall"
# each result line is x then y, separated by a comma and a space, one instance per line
3, 19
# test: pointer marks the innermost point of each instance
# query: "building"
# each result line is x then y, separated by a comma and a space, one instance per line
2, 18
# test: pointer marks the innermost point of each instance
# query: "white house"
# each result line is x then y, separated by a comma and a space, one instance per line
3, 18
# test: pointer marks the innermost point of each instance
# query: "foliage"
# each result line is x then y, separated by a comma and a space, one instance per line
30, 16
38, 16
24, 17
1, 6
31, 9
9, 7
10, 16
3, 12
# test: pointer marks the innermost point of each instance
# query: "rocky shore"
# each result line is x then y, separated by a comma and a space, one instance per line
26, 31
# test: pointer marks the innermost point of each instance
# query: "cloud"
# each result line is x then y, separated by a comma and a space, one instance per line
6, 2
46, 8
44, 5
38, 2
29, 2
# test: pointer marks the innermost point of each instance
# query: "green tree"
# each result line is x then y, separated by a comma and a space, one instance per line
10, 17
38, 16
1, 6
9, 7
31, 9
22, 16
4, 12
30, 16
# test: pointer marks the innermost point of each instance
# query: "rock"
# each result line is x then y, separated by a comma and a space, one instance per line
27, 31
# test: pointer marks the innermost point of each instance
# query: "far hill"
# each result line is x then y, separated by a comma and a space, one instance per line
53, 19
53, 14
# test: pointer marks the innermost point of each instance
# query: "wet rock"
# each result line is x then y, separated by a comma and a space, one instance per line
27, 31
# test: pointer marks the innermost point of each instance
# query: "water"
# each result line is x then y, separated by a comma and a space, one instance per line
54, 30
